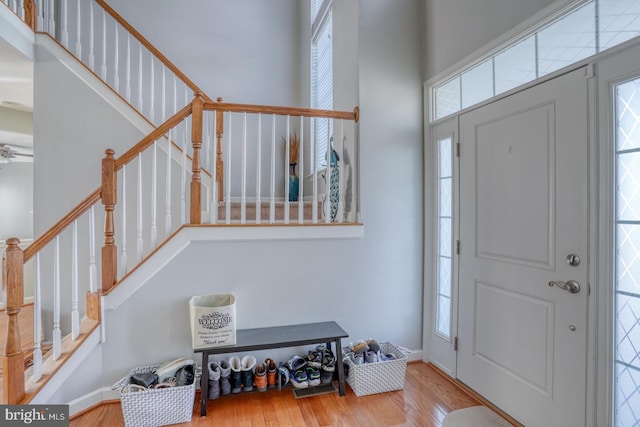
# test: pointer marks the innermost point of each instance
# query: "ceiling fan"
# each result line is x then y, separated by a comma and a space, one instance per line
8, 153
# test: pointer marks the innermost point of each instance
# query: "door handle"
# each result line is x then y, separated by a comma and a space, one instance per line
570, 285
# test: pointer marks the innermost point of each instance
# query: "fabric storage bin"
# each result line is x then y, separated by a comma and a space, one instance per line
378, 377
155, 407
213, 320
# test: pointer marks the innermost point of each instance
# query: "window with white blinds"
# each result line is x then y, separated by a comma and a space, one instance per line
321, 75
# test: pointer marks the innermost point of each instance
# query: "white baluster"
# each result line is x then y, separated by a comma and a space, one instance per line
164, 96
93, 270
123, 251
214, 176
78, 31
57, 333
140, 78
327, 181
63, 24
259, 171
243, 173
153, 92
183, 182
206, 156
301, 173
154, 196
52, 23
116, 62
104, 45
40, 12
314, 174
75, 315
37, 323
175, 95
341, 179
167, 221
286, 171
128, 72
272, 201
227, 180
139, 241
91, 40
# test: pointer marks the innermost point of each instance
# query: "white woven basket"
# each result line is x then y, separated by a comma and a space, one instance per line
155, 407
379, 377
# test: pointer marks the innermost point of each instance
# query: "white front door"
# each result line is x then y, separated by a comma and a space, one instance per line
523, 228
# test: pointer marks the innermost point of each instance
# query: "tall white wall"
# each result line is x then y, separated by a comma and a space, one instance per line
454, 29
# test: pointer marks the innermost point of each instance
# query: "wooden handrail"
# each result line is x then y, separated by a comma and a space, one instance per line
283, 111
57, 228
151, 48
158, 133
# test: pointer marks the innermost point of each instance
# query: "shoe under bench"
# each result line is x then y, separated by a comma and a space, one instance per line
276, 337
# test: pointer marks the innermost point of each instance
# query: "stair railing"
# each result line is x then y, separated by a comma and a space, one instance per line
261, 166
166, 192
115, 52
66, 262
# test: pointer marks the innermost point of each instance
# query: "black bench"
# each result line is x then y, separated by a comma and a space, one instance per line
276, 337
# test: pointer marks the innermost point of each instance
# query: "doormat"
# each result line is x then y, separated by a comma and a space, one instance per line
476, 416
299, 393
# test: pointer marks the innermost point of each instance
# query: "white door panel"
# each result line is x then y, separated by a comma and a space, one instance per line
523, 210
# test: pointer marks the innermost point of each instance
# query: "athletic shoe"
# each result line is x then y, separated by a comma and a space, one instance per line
283, 375
296, 363
313, 376
314, 358
299, 378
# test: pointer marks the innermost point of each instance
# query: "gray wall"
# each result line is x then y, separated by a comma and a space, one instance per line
455, 29
220, 43
371, 286
73, 126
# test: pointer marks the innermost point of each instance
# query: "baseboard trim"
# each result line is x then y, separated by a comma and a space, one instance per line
414, 356
92, 400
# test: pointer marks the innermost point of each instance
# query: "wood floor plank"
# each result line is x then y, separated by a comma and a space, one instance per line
426, 399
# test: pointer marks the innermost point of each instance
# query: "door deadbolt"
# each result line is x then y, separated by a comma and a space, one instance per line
573, 260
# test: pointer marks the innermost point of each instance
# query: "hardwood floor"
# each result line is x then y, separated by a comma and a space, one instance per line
426, 399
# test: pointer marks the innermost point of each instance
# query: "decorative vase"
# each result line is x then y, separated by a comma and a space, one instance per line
294, 183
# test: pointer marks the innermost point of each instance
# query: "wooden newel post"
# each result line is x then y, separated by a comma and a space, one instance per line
108, 193
196, 140
30, 14
219, 163
13, 358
